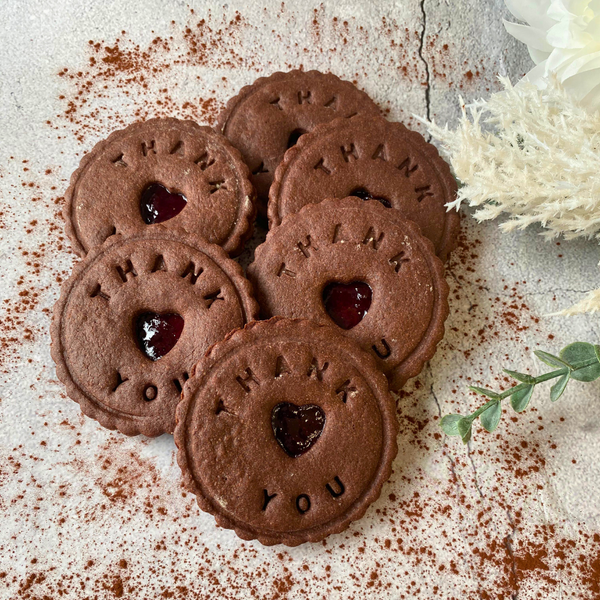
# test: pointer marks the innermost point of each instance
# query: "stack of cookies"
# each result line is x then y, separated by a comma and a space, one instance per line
286, 427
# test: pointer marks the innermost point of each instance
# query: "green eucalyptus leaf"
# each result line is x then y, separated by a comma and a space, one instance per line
522, 377
464, 428
587, 374
450, 424
551, 360
556, 391
488, 393
579, 352
597, 351
491, 417
520, 399
467, 437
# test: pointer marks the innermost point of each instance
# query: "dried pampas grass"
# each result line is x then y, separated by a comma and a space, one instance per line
589, 304
533, 155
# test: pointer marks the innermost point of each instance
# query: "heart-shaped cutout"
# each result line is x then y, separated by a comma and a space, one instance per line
158, 204
157, 334
364, 194
347, 303
297, 428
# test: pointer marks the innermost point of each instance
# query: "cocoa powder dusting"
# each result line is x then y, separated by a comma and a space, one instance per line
101, 516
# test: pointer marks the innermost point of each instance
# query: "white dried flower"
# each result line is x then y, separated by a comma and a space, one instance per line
563, 37
540, 163
589, 304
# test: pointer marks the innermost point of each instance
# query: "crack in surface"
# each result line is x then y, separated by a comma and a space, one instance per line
504, 294
452, 462
437, 402
427, 74
453, 471
444, 446
475, 474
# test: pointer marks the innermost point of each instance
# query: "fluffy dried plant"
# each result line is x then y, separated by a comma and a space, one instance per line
532, 155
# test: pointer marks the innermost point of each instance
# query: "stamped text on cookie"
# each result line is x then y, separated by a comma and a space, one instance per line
306, 431
139, 316
161, 171
360, 267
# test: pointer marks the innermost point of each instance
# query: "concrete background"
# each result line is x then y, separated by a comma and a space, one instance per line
87, 513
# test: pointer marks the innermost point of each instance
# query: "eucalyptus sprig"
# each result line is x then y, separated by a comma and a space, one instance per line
579, 361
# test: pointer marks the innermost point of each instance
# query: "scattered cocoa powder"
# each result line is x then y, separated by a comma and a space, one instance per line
98, 518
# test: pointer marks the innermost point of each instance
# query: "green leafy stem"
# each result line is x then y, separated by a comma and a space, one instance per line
579, 361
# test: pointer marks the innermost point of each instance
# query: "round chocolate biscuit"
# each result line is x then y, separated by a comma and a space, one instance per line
267, 117
165, 171
286, 432
370, 157
364, 268
135, 316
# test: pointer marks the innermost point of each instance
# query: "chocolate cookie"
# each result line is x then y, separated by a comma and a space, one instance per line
370, 157
134, 318
364, 268
161, 171
286, 432
267, 117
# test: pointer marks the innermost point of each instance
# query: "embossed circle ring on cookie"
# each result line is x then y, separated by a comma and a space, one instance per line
161, 171
370, 158
364, 268
286, 432
133, 319
268, 117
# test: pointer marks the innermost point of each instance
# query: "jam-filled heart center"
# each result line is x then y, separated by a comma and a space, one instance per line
158, 204
157, 334
297, 428
347, 303
364, 194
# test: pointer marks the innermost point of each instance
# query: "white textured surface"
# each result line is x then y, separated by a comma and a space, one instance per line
454, 522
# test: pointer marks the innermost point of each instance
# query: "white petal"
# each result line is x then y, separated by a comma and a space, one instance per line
581, 64
561, 59
537, 76
514, 8
537, 56
561, 9
532, 12
582, 84
593, 28
535, 38
567, 34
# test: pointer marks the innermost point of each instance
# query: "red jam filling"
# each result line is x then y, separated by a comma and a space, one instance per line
364, 194
347, 303
157, 334
158, 204
297, 428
